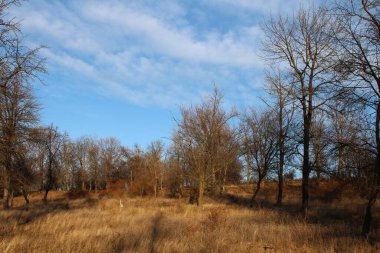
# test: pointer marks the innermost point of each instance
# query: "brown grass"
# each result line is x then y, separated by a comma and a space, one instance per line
96, 223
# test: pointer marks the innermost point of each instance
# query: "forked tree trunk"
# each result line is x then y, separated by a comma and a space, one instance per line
258, 186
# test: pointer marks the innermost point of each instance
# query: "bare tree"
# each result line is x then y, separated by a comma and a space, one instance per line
199, 134
68, 163
280, 87
19, 65
140, 180
94, 164
110, 158
51, 141
177, 167
154, 163
359, 41
24, 176
304, 44
231, 167
346, 131
82, 155
319, 145
262, 145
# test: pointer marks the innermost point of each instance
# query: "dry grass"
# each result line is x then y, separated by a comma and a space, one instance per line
96, 223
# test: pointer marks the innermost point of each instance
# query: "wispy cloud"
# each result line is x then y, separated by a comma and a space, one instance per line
172, 41
148, 54
264, 6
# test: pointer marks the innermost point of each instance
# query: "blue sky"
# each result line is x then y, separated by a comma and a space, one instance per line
122, 68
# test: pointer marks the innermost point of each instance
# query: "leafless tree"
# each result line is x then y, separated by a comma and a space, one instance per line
319, 145
359, 41
304, 45
346, 130
18, 65
154, 163
280, 87
140, 180
82, 154
199, 134
51, 141
231, 167
261, 144
68, 163
24, 176
94, 164
110, 158
176, 167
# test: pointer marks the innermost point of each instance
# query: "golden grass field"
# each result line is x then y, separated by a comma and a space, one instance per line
97, 223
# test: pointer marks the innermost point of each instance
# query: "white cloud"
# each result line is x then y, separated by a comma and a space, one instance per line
264, 6
70, 62
179, 42
141, 53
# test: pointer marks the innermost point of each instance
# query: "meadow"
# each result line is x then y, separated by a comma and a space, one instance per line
96, 222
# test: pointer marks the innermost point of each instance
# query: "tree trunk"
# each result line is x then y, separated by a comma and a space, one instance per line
45, 195
340, 155
222, 187
318, 166
6, 198
214, 186
82, 175
247, 160
155, 188
95, 185
201, 190
280, 185
25, 193
281, 172
6, 192
367, 223
281, 142
306, 165
258, 185
83, 185
11, 197
161, 181
49, 184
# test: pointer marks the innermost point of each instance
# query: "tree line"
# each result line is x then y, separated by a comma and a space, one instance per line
321, 121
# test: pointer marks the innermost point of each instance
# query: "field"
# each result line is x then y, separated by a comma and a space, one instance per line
95, 222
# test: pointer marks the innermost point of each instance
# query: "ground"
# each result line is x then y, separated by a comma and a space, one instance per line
95, 222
